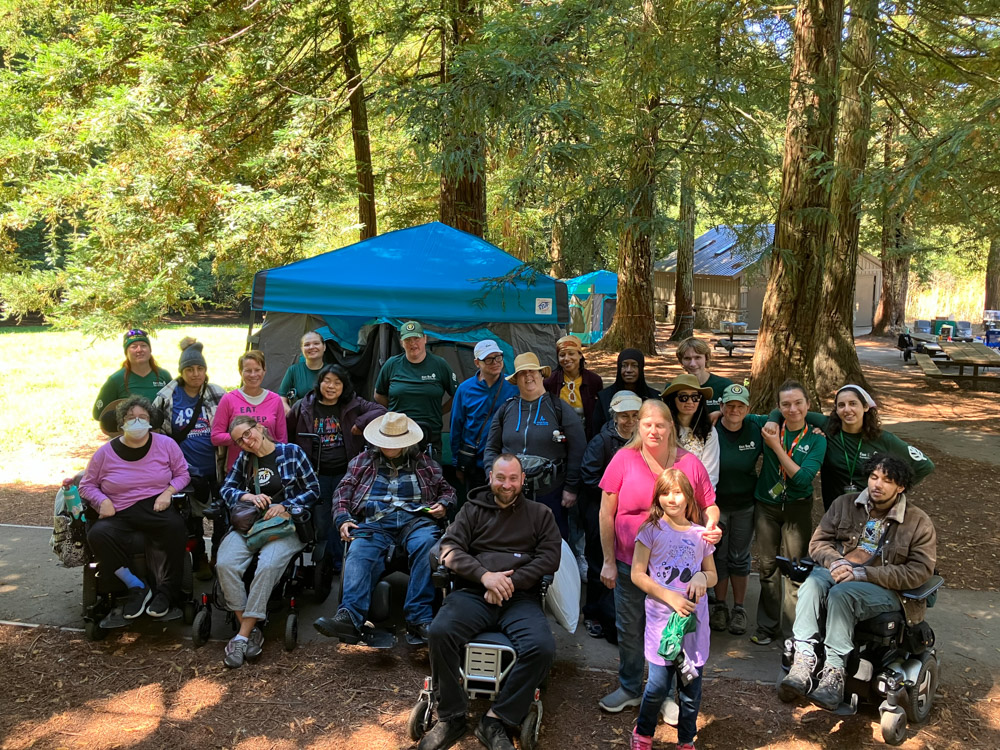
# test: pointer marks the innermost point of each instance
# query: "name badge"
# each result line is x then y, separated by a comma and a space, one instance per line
777, 491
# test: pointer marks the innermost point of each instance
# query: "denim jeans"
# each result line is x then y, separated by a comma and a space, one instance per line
658, 688
846, 604
366, 560
323, 523
781, 529
630, 617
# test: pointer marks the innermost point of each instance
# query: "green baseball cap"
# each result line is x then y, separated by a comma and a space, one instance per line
409, 329
736, 392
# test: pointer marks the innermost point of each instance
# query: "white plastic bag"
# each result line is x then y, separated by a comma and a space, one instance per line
563, 598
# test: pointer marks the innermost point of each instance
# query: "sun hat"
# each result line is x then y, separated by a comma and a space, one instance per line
686, 383
528, 361
485, 348
861, 391
410, 329
393, 430
133, 336
625, 401
569, 342
736, 392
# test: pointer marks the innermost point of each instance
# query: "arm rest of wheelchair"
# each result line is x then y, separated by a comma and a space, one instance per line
797, 570
215, 512
181, 500
922, 592
543, 585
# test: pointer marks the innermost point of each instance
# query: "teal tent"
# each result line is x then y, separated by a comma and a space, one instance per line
593, 298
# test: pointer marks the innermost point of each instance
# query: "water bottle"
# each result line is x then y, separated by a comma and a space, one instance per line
71, 496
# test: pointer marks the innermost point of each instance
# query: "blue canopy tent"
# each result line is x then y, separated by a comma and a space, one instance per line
592, 302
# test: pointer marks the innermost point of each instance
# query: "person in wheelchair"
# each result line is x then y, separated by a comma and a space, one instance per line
392, 496
500, 546
273, 478
868, 548
129, 482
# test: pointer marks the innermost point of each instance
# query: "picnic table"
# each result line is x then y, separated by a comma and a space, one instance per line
974, 355
737, 336
927, 343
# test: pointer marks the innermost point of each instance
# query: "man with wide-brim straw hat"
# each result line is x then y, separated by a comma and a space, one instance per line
688, 400
546, 434
392, 495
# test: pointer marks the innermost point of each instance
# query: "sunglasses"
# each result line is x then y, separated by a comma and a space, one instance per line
242, 438
694, 398
135, 332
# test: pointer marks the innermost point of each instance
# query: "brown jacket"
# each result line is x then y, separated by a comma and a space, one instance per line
486, 538
908, 554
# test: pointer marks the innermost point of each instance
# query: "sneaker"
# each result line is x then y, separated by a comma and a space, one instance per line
492, 733
798, 681
719, 617
159, 606
686, 746
136, 602
114, 619
416, 635
255, 644
640, 742
670, 711
618, 701
830, 691
444, 734
339, 626
594, 628
738, 621
236, 652
761, 638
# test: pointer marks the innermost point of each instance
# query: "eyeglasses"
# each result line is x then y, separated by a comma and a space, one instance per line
242, 438
694, 398
492, 360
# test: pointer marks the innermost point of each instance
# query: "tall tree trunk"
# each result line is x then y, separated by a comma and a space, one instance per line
890, 315
556, 249
793, 302
684, 284
993, 275
359, 122
463, 176
836, 360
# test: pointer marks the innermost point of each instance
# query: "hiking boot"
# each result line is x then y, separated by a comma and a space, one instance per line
670, 711
236, 652
830, 691
761, 638
618, 701
255, 644
136, 602
798, 681
159, 606
417, 634
738, 621
339, 626
640, 742
444, 734
719, 618
492, 733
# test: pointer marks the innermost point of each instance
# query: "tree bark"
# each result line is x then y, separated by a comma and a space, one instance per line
684, 283
359, 123
993, 275
890, 315
836, 359
793, 301
556, 249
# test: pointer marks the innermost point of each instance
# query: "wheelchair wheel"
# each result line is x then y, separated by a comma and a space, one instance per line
420, 719
531, 726
201, 627
291, 632
893, 727
921, 695
93, 631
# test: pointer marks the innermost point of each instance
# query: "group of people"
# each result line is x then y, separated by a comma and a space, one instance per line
658, 492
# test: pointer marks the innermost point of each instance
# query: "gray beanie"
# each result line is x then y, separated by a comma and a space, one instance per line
191, 354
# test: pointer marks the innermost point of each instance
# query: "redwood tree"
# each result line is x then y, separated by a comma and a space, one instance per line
895, 252
993, 275
684, 283
793, 303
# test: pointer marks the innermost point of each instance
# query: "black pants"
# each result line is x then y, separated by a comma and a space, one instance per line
206, 491
600, 600
164, 537
464, 615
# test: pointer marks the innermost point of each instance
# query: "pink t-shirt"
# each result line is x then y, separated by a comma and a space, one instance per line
270, 412
674, 557
629, 477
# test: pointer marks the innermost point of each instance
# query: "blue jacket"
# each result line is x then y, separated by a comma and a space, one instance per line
469, 416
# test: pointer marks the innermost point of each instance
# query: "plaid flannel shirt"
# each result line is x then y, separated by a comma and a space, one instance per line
351, 496
296, 472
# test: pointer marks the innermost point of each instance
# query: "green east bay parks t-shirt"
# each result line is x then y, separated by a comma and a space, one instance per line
718, 385
417, 390
808, 454
139, 385
738, 453
298, 378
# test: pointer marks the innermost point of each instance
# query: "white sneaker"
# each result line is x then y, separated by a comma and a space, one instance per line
670, 711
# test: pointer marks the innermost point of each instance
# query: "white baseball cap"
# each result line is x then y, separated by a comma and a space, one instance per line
625, 401
485, 348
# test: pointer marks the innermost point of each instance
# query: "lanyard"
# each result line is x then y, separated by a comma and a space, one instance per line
805, 429
850, 463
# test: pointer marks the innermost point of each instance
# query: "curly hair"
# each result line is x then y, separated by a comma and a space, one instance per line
871, 423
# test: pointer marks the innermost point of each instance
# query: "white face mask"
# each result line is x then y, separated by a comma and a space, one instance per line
136, 428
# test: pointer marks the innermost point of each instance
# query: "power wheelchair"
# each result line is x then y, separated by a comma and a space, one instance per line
892, 663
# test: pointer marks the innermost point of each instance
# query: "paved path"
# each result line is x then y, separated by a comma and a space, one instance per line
34, 589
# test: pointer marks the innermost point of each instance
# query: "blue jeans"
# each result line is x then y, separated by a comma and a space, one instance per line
323, 523
846, 604
630, 618
658, 688
365, 563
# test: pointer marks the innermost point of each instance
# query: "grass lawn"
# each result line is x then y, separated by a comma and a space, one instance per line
51, 378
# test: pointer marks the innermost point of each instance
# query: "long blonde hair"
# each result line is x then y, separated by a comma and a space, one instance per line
652, 407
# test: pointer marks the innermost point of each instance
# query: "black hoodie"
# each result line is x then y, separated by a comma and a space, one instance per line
639, 388
486, 538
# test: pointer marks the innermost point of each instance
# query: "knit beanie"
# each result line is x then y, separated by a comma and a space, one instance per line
191, 354
131, 337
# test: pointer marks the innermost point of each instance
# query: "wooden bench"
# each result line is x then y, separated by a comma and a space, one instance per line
927, 365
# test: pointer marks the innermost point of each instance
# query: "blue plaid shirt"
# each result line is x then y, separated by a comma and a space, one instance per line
296, 472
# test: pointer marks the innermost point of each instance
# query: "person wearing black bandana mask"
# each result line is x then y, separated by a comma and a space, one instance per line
630, 376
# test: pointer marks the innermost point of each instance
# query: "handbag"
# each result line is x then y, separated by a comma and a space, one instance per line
268, 530
243, 516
